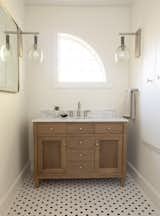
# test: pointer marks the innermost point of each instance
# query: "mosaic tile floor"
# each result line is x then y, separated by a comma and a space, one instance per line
81, 198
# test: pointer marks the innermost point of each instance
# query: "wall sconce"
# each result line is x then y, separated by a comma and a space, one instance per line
35, 52
122, 52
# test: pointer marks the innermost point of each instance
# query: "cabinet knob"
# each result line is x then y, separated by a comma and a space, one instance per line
80, 167
81, 142
80, 128
107, 128
80, 155
51, 129
97, 144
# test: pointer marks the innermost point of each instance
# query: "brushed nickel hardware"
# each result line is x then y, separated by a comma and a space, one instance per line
86, 113
35, 53
149, 80
132, 101
81, 142
79, 109
7, 41
80, 128
137, 35
79, 113
122, 53
71, 113
21, 32
80, 155
80, 167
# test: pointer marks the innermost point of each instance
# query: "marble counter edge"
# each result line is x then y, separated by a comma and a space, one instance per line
56, 120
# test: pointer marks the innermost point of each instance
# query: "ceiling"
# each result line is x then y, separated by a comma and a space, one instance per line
81, 2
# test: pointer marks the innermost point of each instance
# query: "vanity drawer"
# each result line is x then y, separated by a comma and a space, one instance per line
108, 128
80, 155
80, 142
80, 166
51, 129
80, 128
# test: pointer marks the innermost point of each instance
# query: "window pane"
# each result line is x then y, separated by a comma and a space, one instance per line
78, 62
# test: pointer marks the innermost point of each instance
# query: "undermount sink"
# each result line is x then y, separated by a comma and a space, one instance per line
92, 116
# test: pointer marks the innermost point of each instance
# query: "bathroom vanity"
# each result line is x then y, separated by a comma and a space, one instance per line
80, 148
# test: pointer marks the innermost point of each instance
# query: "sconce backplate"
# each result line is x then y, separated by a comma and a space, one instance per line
138, 43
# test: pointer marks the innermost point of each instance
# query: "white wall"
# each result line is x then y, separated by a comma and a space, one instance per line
99, 26
16, 9
13, 125
144, 132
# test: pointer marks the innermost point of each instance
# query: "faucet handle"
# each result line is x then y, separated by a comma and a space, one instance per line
71, 113
86, 113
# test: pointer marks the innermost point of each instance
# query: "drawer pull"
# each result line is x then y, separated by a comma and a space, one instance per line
81, 142
107, 128
80, 155
97, 144
80, 167
80, 128
51, 129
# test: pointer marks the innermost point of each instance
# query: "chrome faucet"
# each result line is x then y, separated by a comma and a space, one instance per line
79, 109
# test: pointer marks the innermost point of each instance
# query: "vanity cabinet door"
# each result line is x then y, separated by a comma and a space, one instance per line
108, 154
51, 155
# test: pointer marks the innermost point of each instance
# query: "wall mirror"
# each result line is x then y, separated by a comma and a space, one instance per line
9, 60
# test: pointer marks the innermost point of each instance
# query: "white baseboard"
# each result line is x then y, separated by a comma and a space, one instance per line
10, 194
145, 185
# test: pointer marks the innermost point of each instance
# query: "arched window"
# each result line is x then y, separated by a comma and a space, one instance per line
78, 62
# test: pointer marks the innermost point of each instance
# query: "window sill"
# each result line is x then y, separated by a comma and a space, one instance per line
82, 85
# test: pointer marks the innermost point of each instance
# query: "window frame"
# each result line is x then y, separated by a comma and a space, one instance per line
80, 85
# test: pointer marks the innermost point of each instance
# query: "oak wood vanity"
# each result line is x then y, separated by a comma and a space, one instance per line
64, 150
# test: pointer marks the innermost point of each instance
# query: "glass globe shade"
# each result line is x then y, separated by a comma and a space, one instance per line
5, 54
36, 55
122, 54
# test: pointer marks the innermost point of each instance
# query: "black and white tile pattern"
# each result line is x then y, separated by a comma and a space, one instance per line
81, 198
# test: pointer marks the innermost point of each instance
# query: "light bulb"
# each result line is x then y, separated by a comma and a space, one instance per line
35, 53
5, 51
122, 53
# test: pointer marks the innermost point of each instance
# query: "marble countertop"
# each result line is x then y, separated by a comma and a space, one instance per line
79, 120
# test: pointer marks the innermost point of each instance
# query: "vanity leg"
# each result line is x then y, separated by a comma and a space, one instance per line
37, 182
122, 182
